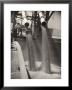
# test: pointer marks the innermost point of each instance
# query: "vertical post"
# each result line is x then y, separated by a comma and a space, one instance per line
47, 15
14, 22
34, 24
32, 28
13, 18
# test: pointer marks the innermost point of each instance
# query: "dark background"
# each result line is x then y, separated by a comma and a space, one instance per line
1, 35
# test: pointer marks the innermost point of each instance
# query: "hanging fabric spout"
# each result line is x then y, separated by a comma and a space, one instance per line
42, 19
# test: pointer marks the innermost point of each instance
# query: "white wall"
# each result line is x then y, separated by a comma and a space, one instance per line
55, 24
